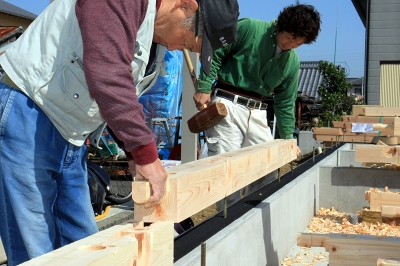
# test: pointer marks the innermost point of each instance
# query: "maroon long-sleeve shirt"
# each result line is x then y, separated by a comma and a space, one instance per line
109, 29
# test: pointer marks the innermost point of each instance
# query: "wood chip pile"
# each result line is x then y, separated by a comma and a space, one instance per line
307, 258
331, 221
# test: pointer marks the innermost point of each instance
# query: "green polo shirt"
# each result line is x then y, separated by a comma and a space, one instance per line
250, 63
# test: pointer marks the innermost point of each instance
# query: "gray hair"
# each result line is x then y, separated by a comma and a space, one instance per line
190, 23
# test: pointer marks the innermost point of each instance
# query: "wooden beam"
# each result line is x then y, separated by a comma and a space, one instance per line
361, 249
196, 185
388, 262
367, 119
392, 129
377, 154
368, 134
338, 124
348, 127
360, 138
141, 192
311, 240
353, 249
381, 111
359, 109
328, 131
390, 211
127, 244
378, 199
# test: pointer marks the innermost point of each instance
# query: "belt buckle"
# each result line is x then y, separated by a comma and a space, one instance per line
254, 104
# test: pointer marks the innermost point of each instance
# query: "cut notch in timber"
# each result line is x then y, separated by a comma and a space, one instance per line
388, 203
196, 185
127, 244
377, 154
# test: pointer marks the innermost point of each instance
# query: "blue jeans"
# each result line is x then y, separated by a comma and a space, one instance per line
44, 195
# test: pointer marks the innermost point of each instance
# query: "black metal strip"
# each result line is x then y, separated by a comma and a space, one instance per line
193, 238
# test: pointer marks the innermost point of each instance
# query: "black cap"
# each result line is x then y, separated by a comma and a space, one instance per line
220, 18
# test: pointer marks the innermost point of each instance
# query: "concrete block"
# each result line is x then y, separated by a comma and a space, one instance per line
327, 193
307, 142
346, 158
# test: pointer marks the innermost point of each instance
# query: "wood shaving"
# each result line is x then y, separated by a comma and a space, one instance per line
331, 221
386, 190
390, 166
306, 258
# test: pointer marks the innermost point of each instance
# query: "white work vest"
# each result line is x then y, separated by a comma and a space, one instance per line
47, 66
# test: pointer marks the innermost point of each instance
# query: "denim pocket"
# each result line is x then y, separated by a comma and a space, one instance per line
5, 104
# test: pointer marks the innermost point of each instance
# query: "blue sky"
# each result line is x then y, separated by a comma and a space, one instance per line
339, 18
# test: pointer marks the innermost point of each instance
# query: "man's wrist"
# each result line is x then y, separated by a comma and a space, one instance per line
145, 154
204, 86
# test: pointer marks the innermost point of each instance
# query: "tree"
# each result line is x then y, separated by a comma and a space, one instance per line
335, 94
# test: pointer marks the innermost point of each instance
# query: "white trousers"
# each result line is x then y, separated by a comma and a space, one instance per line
242, 127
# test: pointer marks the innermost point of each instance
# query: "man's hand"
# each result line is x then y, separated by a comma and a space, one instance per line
157, 176
201, 99
298, 151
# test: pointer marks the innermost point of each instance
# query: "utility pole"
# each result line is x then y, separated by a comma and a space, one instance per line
334, 55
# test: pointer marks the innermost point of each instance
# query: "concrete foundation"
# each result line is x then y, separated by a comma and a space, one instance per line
267, 233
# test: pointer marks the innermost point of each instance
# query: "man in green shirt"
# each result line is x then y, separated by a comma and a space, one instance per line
262, 62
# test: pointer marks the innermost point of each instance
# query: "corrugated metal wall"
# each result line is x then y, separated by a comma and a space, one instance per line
390, 85
384, 43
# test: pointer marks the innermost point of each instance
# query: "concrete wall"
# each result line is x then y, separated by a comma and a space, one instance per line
267, 233
343, 187
264, 235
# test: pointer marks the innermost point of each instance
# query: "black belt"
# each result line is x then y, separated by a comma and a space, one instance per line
239, 91
248, 102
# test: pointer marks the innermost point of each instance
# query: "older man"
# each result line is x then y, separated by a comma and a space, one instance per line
82, 64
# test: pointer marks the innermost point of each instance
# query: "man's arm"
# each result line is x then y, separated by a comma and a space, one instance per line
108, 50
202, 96
284, 102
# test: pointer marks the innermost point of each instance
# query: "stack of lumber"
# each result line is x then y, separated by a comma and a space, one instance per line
382, 118
387, 202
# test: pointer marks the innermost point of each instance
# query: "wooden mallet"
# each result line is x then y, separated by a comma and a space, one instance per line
210, 115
